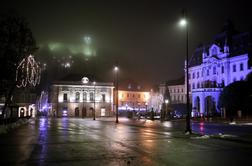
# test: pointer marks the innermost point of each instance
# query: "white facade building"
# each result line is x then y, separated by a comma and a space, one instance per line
212, 67
81, 99
176, 90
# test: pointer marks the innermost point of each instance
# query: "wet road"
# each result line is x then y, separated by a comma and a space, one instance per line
102, 142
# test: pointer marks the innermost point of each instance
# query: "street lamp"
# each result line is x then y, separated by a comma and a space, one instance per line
94, 83
184, 23
116, 89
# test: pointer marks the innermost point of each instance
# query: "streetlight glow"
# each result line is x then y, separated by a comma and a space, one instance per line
183, 22
166, 101
116, 68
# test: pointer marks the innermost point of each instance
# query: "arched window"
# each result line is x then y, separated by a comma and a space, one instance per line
85, 96
91, 97
77, 96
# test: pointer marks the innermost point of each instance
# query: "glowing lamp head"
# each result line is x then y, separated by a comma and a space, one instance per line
183, 22
166, 101
116, 68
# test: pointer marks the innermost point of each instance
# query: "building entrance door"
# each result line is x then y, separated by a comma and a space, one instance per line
77, 112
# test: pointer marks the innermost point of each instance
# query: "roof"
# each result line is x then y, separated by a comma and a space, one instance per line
239, 43
179, 81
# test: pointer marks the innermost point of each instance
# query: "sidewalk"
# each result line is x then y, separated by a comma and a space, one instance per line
236, 121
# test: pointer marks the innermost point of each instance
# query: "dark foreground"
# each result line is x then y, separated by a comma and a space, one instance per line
137, 142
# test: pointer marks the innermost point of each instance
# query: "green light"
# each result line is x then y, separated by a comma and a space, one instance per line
55, 46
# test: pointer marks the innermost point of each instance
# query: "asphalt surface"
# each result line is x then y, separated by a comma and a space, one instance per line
70, 141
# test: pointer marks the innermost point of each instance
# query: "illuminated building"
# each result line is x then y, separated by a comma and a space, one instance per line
133, 100
213, 66
81, 98
216, 65
176, 89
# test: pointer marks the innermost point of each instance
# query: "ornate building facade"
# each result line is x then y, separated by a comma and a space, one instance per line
81, 99
216, 65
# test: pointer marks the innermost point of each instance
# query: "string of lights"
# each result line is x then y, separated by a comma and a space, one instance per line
28, 72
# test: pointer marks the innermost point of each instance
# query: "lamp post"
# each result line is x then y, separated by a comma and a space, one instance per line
94, 83
166, 107
116, 90
146, 104
184, 23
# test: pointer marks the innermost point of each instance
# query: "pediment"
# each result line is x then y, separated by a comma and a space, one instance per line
214, 50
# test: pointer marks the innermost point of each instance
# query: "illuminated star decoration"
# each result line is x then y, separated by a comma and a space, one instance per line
28, 72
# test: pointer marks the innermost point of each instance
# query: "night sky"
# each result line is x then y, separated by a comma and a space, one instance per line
142, 36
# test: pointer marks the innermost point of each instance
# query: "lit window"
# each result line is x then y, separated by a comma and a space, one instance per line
91, 97
84, 96
77, 96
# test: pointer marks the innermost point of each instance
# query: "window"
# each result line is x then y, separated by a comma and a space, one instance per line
133, 95
222, 69
207, 72
84, 96
65, 97
127, 95
197, 74
234, 79
234, 68
198, 85
103, 97
214, 70
182, 90
193, 75
241, 67
77, 96
91, 96
193, 86
138, 95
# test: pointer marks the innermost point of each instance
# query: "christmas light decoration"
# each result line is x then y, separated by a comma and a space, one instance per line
28, 72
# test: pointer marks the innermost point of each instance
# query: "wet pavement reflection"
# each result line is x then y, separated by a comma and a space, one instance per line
74, 141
